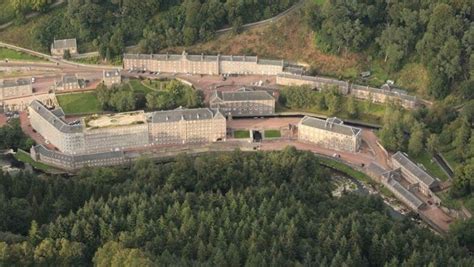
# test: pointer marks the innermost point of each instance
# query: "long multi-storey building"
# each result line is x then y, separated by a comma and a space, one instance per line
118, 132
243, 102
115, 132
377, 95
15, 88
203, 64
391, 180
414, 174
74, 162
330, 133
183, 126
52, 126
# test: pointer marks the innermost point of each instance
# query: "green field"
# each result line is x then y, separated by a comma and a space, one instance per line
431, 166
272, 134
79, 103
241, 134
14, 55
26, 158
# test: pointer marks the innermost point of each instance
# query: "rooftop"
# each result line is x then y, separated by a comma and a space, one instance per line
424, 177
409, 196
183, 114
53, 118
115, 120
13, 83
331, 124
70, 78
111, 73
64, 44
244, 94
42, 150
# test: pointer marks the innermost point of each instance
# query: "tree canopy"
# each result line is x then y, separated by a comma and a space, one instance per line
265, 209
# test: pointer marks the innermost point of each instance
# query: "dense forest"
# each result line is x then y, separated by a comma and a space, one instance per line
440, 34
109, 25
12, 136
257, 209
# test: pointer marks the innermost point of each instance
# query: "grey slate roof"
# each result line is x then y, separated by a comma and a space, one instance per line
40, 149
376, 169
13, 83
53, 119
65, 44
331, 124
244, 95
70, 78
414, 169
182, 114
111, 73
59, 112
409, 196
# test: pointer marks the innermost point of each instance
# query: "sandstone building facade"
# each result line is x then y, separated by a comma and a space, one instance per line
203, 64
183, 126
376, 95
69, 82
122, 131
414, 174
58, 47
243, 102
111, 77
15, 88
330, 133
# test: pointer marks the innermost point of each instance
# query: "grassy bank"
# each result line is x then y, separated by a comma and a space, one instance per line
431, 166
14, 55
79, 103
26, 158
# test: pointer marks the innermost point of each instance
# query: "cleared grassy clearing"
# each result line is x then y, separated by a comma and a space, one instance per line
79, 103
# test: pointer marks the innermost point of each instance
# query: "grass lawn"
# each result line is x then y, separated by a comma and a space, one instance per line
26, 158
241, 134
79, 103
272, 133
431, 166
138, 87
156, 84
14, 55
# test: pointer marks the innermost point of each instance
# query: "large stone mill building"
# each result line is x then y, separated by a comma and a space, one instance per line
330, 133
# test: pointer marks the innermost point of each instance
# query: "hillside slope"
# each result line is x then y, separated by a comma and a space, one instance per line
293, 40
